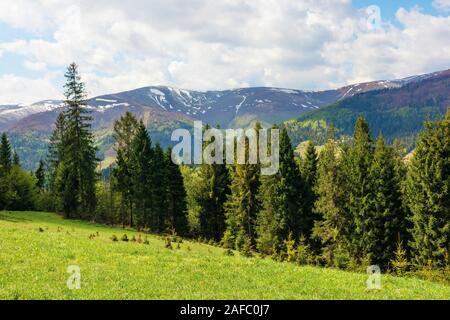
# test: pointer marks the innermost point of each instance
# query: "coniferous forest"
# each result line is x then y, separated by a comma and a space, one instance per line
355, 203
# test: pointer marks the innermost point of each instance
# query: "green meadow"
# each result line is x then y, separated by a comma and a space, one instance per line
36, 248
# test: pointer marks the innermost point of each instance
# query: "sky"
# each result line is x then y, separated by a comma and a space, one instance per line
220, 44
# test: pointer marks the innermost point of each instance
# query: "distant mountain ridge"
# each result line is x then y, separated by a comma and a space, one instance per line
165, 108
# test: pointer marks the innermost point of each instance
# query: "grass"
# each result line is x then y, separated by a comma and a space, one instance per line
36, 249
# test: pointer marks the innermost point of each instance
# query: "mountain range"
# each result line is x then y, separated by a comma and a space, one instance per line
398, 107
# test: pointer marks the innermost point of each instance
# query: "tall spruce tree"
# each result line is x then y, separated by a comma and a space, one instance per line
40, 176
386, 225
5, 155
281, 200
357, 163
308, 169
428, 194
332, 226
79, 155
124, 132
141, 163
242, 205
213, 193
176, 210
159, 198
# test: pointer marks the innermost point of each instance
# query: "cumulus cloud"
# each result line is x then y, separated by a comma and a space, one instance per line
15, 89
442, 4
200, 44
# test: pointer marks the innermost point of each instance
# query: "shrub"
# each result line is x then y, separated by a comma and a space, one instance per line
114, 238
400, 264
125, 238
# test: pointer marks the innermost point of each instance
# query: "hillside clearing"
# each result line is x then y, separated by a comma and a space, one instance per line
36, 249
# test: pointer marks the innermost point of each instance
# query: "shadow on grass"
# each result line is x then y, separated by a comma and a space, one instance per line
14, 219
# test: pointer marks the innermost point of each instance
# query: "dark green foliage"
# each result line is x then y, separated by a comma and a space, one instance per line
72, 155
124, 132
332, 226
214, 188
386, 222
141, 176
428, 195
357, 160
242, 206
160, 189
40, 176
281, 200
5, 155
308, 169
176, 217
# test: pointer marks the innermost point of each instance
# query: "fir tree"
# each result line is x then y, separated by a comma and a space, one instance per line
5, 155
332, 226
79, 153
141, 176
386, 224
40, 176
159, 198
242, 205
124, 132
357, 162
213, 193
308, 171
176, 210
428, 194
280, 196
16, 159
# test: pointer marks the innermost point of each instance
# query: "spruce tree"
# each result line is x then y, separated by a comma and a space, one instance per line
16, 159
40, 176
141, 176
242, 205
213, 193
428, 194
308, 171
176, 210
79, 155
159, 198
281, 200
124, 132
357, 163
5, 155
332, 226
386, 225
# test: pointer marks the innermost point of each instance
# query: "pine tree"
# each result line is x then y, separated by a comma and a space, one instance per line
242, 205
428, 194
280, 196
40, 176
387, 221
332, 226
141, 176
176, 210
124, 132
357, 162
79, 154
308, 171
5, 155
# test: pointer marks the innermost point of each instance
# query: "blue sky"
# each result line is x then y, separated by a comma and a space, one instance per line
310, 44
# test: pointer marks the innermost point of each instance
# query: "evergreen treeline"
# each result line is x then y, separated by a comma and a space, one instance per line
355, 203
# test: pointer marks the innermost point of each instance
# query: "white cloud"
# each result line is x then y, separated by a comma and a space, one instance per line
200, 44
16, 89
442, 4
35, 66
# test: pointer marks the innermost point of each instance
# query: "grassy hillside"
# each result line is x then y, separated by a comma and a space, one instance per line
36, 249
